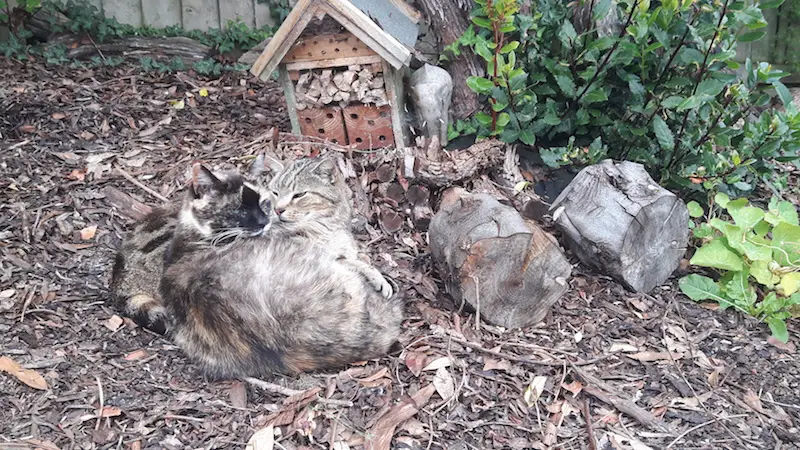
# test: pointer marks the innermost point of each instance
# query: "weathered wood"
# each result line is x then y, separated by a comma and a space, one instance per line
618, 221
336, 62
125, 11
506, 268
200, 14
393, 79
125, 204
432, 166
237, 10
161, 13
186, 49
263, 14
327, 47
448, 20
282, 41
291, 101
367, 31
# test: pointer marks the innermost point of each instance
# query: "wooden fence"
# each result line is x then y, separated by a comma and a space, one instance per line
189, 14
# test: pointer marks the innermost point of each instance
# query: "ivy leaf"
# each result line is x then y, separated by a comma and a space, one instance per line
747, 217
715, 254
695, 210
722, 199
778, 328
790, 283
699, 287
663, 133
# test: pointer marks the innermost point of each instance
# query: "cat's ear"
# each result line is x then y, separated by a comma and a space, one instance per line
203, 181
265, 162
327, 168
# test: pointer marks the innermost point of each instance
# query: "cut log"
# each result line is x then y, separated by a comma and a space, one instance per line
162, 49
125, 204
435, 167
506, 268
621, 223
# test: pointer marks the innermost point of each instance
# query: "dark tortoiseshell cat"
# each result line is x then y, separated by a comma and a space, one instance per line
283, 300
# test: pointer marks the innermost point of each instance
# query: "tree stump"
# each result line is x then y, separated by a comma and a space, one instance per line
618, 221
492, 259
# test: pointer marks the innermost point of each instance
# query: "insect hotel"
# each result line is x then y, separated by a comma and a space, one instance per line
341, 72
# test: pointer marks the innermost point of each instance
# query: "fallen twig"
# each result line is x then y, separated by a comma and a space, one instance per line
587, 415
603, 392
695, 428
139, 184
278, 389
528, 361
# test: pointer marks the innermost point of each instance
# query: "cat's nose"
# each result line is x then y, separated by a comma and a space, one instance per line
279, 211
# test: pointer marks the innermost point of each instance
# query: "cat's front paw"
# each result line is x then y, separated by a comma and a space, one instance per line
384, 287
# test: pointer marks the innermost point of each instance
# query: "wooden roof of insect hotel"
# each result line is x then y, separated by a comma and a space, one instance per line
358, 17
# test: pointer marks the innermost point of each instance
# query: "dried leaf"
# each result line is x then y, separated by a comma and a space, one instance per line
753, 401
77, 174
203, 92
415, 361
444, 384
622, 347
58, 116
27, 129
111, 411
135, 355
263, 439
27, 376
114, 322
238, 395
534, 390
787, 347
179, 104
575, 387
494, 364
653, 356
438, 363
8, 293
88, 232
383, 430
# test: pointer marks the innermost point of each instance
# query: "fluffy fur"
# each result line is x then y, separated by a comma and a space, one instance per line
286, 301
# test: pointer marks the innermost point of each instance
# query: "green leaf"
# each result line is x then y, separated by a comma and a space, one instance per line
567, 34
747, 217
482, 22
695, 210
763, 227
483, 118
790, 283
770, 4
752, 36
783, 93
510, 47
715, 254
778, 328
566, 85
703, 231
663, 133
601, 9
482, 49
699, 287
760, 271
710, 87
527, 137
722, 199
672, 101
480, 85
690, 103
503, 119
786, 237
595, 96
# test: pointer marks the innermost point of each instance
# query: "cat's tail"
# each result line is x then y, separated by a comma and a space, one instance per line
148, 312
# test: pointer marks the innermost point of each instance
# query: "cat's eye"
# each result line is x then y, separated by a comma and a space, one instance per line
299, 195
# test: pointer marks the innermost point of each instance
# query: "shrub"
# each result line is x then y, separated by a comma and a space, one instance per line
656, 86
758, 255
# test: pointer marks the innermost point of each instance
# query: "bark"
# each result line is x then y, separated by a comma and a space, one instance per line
621, 223
448, 19
157, 48
504, 267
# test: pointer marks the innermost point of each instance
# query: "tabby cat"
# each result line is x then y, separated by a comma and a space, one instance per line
139, 262
279, 297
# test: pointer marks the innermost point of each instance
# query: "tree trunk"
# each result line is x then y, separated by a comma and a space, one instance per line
504, 267
448, 19
624, 225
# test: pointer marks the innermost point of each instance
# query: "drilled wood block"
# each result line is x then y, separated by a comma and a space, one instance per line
327, 46
369, 126
325, 123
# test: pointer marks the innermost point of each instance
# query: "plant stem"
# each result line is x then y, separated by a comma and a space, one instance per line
703, 66
716, 120
610, 52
